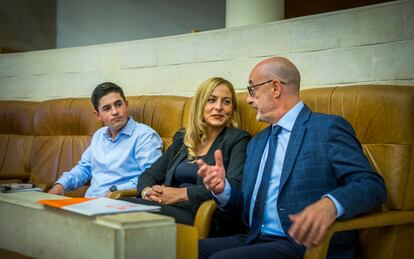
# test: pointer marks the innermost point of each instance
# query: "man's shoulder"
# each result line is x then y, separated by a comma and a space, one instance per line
141, 133
100, 132
326, 119
143, 129
328, 124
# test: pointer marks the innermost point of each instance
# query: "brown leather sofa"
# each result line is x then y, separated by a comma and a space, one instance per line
40, 140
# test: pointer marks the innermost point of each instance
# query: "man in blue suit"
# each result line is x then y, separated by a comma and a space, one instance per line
301, 174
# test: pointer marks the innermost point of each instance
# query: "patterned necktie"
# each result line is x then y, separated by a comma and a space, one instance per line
257, 216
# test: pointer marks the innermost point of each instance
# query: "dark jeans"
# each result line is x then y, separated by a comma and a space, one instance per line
233, 247
224, 224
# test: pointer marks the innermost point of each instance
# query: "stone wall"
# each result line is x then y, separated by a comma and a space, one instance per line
372, 44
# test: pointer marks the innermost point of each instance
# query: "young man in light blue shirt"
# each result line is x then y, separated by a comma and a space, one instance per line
119, 152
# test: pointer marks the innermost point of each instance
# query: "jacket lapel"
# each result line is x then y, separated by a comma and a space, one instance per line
295, 144
253, 164
209, 158
183, 153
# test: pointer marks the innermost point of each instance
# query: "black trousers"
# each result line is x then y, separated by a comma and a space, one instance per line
226, 224
181, 214
263, 247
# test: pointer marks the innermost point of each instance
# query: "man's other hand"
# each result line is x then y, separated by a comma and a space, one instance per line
310, 225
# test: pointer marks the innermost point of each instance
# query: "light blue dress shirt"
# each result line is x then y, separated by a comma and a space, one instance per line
118, 162
271, 221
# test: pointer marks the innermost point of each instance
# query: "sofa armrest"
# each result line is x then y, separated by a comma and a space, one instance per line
382, 219
187, 242
203, 218
123, 193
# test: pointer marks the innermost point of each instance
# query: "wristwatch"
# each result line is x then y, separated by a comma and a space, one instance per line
113, 188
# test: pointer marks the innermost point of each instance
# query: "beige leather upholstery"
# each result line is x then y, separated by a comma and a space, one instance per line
40, 140
202, 221
383, 118
63, 130
16, 138
248, 120
163, 113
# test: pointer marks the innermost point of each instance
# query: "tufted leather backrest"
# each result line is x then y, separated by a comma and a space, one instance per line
163, 113
16, 137
49, 137
186, 114
63, 130
72, 116
248, 120
383, 119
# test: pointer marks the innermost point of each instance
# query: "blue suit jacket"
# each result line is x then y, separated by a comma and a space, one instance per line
323, 157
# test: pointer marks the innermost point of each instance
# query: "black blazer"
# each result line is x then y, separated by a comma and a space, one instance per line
231, 141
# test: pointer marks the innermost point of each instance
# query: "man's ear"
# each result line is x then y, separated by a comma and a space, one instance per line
277, 88
126, 103
97, 114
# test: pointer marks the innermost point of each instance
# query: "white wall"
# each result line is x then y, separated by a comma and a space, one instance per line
247, 12
81, 22
373, 44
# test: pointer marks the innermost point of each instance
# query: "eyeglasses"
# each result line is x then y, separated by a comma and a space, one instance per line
252, 90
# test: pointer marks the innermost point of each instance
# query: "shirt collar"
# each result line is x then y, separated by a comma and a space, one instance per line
287, 121
126, 130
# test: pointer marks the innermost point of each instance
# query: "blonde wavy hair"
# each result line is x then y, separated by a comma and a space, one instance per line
196, 128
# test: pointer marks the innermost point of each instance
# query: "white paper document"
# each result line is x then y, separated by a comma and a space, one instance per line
99, 206
108, 206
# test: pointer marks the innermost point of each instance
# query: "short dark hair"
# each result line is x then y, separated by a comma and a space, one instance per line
103, 89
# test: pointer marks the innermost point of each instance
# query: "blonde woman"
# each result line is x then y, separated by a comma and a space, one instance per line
172, 181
